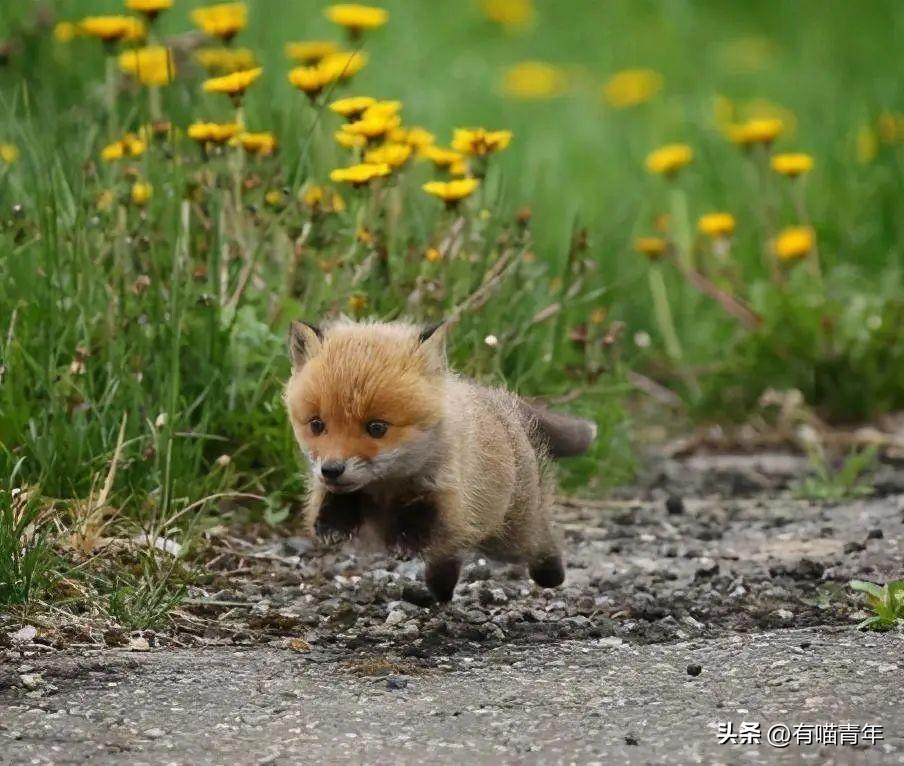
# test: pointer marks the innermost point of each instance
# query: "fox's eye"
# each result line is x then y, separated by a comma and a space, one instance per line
377, 428
317, 426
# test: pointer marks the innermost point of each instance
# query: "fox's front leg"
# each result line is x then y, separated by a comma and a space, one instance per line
414, 526
441, 574
335, 517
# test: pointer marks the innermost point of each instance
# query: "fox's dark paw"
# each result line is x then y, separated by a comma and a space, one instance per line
548, 572
412, 527
339, 518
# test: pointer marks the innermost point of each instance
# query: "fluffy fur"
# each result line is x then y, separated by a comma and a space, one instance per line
458, 467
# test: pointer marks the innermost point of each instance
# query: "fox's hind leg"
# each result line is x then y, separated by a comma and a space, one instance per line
544, 557
547, 570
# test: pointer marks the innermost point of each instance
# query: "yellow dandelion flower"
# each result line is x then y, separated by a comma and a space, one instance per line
9, 153
129, 145
224, 20
356, 18
321, 199
353, 106
113, 28
452, 192
530, 80
225, 60
764, 109
150, 8
668, 160
66, 31
261, 144
631, 87
105, 201
433, 255
349, 140
372, 126
310, 51
141, 193
478, 142
891, 127
343, 65
394, 155
442, 158
358, 175
724, 112
383, 108
365, 236
759, 131
234, 84
716, 224
213, 132
313, 196
598, 315
357, 303
866, 144
794, 243
652, 247
274, 198
311, 79
152, 65
792, 165
459, 168
511, 14
415, 137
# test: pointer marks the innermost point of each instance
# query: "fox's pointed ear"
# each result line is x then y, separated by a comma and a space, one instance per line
305, 341
433, 344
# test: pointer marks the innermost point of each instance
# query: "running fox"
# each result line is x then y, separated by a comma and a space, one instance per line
430, 462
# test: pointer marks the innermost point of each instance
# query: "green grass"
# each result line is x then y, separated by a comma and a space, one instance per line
885, 601
27, 564
851, 479
172, 318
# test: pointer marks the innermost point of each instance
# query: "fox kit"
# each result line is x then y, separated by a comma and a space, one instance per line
430, 462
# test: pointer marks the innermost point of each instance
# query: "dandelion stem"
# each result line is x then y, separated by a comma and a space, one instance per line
800, 202
664, 313
767, 214
154, 103
682, 227
110, 92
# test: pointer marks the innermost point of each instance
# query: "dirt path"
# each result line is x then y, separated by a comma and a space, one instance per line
602, 701
676, 615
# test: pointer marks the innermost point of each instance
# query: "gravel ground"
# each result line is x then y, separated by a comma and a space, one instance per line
707, 596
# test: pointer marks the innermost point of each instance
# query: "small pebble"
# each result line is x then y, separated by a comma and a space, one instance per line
154, 733
674, 505
395, 682
875, 534
395, 617
694, 669
31, 681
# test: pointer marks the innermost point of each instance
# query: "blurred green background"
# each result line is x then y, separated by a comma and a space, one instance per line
830, 69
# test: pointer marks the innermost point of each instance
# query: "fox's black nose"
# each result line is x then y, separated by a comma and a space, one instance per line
332, 469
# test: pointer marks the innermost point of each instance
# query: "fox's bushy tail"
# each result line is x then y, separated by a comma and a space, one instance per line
562, 435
